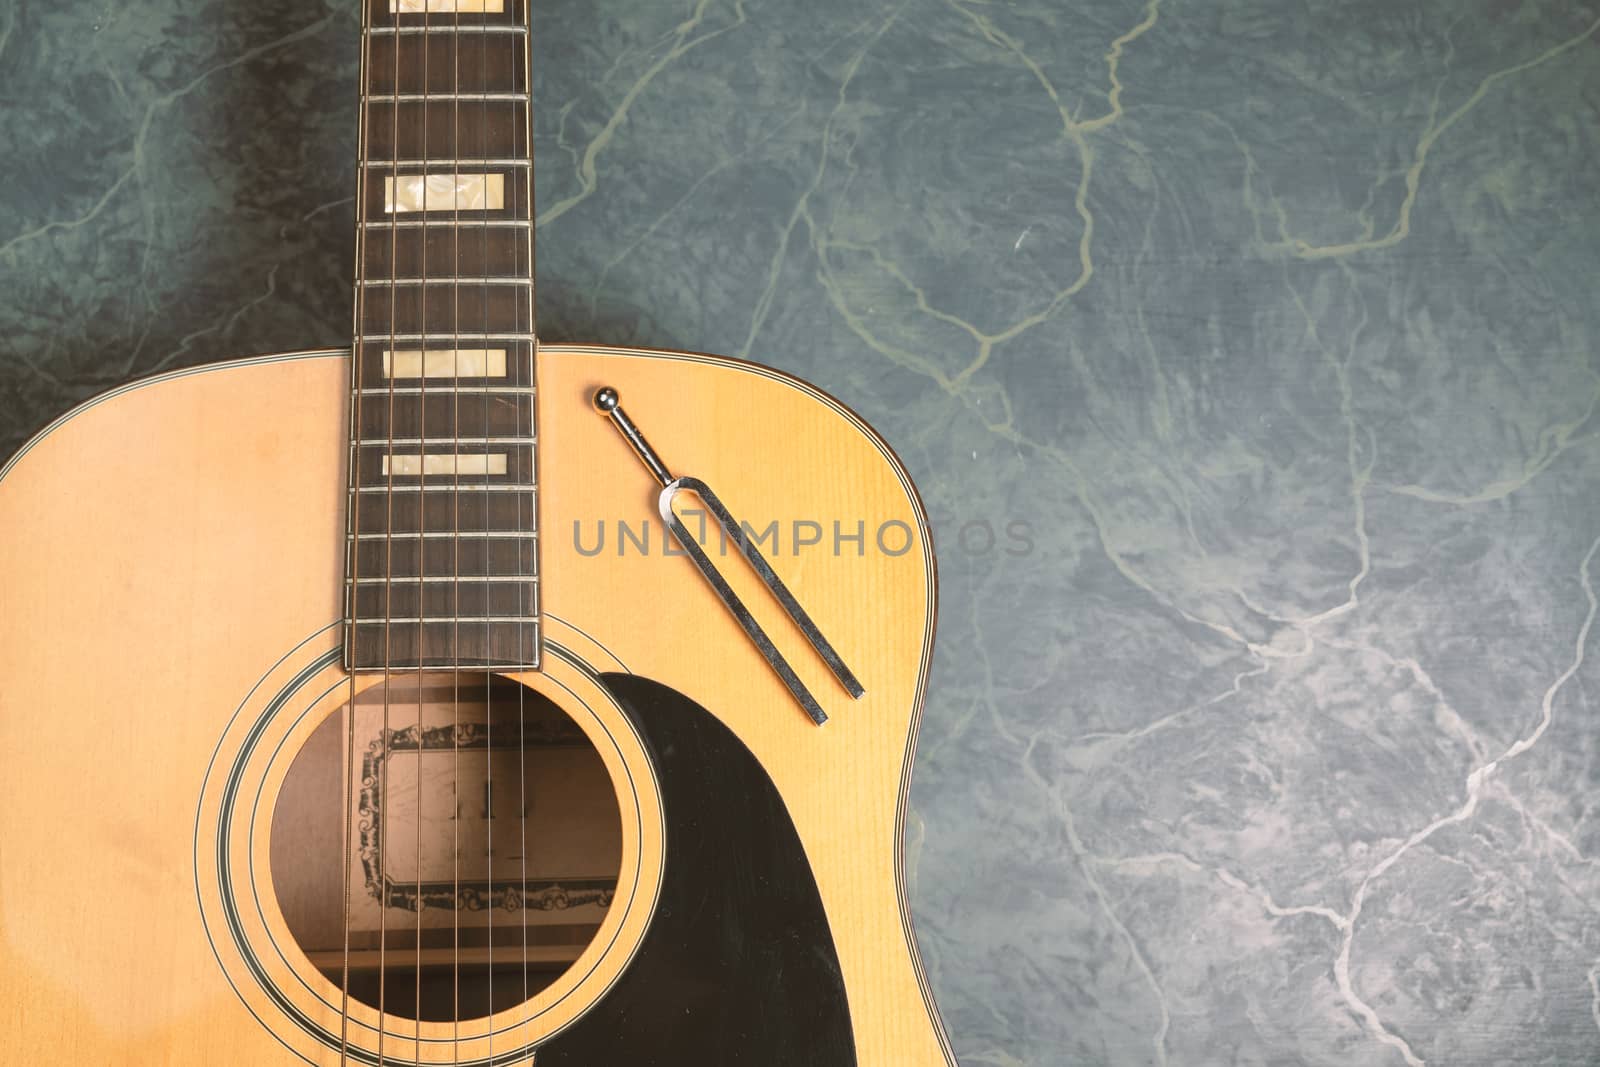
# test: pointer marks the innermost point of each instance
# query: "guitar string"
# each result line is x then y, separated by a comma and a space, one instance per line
455, 677
353, 561
393, 205
422, 508
527, 597
488, 649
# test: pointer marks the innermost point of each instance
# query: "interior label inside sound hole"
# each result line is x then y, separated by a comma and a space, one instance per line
485, 849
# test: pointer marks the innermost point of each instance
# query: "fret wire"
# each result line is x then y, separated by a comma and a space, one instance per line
495, 390
391, 30
451, 165
446, 579
448, 280
408, 441
448, 487
417, 224
475, 535
445, 620
448, 663
419, 98
370, 338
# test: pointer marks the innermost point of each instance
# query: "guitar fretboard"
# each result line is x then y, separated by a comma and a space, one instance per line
442, 562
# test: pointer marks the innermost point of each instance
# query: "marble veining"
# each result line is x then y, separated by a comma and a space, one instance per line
1242, 351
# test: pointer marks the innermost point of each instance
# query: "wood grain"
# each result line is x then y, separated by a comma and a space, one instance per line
127, 658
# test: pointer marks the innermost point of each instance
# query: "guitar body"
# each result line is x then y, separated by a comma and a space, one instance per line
171, 581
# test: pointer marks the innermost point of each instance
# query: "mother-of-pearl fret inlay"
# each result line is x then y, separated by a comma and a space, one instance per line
473, 463
445, 363
418, 7
444, 192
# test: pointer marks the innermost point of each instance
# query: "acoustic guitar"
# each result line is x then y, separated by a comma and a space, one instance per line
456, 698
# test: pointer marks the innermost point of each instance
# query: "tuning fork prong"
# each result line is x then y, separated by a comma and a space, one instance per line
608, 401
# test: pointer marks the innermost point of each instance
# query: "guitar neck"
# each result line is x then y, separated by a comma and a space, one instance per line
443, 562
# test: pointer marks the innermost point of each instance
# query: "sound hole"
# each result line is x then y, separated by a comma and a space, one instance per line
485, 846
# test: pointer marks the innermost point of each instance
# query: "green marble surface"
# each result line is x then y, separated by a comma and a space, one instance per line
1269, 736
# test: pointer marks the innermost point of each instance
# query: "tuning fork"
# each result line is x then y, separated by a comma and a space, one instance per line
608, 402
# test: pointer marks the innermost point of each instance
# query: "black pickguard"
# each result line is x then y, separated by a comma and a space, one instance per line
738, 966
